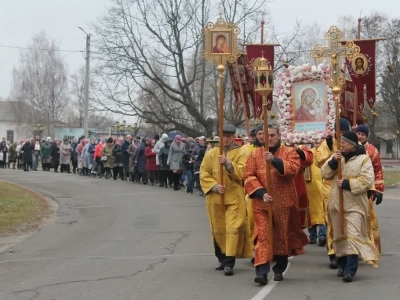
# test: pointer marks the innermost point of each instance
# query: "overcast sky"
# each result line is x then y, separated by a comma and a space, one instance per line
22, 19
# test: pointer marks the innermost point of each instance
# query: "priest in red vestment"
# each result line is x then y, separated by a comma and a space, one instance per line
288, 237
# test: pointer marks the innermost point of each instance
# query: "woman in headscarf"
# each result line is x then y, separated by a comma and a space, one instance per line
175, 156
85, 157
55, 155
117, 152
140, 160
109, 163
79, 150
132, 152
3, 154
45, 153
89, 157
151, 166
26, 150
165, 171
97, 156
65, 156
12, 155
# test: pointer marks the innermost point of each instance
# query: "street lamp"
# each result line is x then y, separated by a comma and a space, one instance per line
37, 130
121, 128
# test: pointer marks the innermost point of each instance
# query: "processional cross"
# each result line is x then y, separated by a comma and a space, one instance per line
335, 52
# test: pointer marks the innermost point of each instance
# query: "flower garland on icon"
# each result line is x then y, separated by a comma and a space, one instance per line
294, 74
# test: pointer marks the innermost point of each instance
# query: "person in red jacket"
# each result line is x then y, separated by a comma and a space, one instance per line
151, 166
97, 157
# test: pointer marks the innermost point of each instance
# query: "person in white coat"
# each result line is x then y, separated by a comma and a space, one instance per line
157, 148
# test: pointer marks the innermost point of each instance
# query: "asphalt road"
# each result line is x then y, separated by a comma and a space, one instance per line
118, 240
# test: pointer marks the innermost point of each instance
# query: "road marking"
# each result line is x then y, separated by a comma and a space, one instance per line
268, 288
93, 206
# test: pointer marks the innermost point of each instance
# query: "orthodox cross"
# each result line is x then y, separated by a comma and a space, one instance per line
335, 52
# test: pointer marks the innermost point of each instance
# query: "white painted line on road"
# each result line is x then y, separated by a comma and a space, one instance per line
268, 288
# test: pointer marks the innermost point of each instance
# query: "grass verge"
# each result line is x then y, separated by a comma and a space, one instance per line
20, 209
391, 176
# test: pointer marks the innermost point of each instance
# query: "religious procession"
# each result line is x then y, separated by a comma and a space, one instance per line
310, 177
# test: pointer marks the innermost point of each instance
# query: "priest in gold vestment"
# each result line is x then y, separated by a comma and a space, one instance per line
358, 178
228, 224
322, 154
288, 237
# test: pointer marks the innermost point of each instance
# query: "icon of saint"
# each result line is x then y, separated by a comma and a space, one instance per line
306, 111
359, 65
220, 45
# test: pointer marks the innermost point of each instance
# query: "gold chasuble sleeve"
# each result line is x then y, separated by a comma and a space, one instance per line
323, 153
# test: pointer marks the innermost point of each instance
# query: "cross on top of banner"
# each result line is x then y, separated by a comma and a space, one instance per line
335, 52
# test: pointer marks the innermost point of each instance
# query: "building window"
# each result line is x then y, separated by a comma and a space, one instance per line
10, 136
389, 146
70, 138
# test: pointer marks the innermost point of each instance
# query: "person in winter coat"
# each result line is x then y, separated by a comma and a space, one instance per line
196, 167
97, 157
151, 166
188, 163
65, 156
3, 154
165, 172
79, 151
12, 155
125, 155
175, 155
140, 160
132, 152
117, 152
26, 150
55, 155
109, 163
159, 144
74, 155
45, 153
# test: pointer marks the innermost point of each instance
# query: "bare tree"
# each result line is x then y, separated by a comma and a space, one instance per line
152, 50
40, 81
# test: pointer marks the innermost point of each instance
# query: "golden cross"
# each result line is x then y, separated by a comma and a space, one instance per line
262, 53
335, 52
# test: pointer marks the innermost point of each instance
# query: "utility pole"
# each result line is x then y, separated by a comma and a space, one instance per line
86, 112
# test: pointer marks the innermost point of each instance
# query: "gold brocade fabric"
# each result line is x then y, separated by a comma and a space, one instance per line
322, 154
229, 227
314, 191
357, 238
288, 237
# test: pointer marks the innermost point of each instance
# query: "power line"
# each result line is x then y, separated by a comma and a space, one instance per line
30, 48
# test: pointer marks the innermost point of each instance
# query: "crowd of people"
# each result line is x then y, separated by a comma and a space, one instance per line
261, 204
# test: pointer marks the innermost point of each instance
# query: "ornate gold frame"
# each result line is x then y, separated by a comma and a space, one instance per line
211, 32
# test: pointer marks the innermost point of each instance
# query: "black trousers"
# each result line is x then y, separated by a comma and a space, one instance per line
281, 263
74, 165
120, 171
151, 175
166, 178
227, 261
177, 180
65, 168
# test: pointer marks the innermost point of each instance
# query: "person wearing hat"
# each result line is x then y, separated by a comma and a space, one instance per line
198, 153
357, 180
322, 154
253, 134
175, 155
362, 132
288, 236
228, 225
107, 151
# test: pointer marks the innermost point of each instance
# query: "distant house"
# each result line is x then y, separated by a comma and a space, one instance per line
10, 128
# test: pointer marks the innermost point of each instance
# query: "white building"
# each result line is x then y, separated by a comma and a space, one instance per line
10, 128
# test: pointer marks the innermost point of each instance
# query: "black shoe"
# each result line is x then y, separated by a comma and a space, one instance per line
340, 272
278, 277
312, 241
228, 271
347, 277
333, 264
219, 267
261, 279
253, 260
322, 242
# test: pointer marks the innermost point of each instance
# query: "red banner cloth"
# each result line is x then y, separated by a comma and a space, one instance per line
242, 78
362, 70
255, 51
349, 106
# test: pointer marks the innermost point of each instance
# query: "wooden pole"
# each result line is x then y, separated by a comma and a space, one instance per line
359, 29
221, 70
246, 117
336, 91
268, 167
